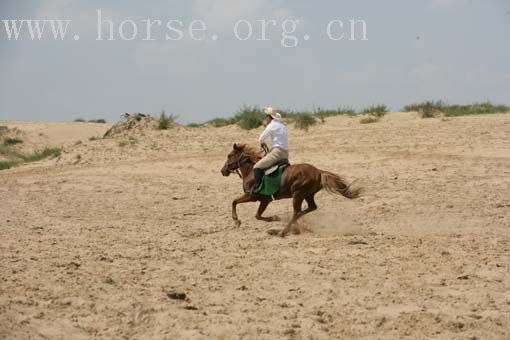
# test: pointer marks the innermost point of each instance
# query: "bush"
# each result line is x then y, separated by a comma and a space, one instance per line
12, 141
249, 118
194, 125
18, 158
45, 153
474, 109
376, 110
348, 111
79, 120
130, 141
427, 109
431, 108
303, 121
4, 165
165, 121
220, 122
99, 121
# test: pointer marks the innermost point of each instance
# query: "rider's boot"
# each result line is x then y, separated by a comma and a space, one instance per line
259, 173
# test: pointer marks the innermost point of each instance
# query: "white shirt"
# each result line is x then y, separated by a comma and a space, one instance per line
277, 131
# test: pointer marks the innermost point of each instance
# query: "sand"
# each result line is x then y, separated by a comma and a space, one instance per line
96, 242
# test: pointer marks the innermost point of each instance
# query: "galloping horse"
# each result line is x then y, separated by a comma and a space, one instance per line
299, 182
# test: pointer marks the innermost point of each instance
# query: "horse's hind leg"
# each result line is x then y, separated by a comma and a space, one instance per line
262, 207
312, 206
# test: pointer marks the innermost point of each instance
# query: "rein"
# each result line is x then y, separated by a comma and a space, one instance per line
239, 161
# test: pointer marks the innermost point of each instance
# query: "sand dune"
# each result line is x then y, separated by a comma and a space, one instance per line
99, 243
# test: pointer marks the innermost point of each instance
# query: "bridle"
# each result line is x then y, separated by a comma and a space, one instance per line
234, 166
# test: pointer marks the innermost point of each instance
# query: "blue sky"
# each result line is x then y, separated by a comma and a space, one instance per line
454, 50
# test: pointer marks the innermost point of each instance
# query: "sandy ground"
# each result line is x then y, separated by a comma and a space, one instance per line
94, 243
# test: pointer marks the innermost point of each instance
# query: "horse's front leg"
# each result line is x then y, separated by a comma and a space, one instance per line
243, 199
262, 207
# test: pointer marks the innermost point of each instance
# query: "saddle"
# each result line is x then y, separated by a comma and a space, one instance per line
283, 163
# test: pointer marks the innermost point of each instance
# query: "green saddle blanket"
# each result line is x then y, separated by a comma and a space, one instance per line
271, 183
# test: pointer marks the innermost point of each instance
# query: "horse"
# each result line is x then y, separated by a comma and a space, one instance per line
299, 181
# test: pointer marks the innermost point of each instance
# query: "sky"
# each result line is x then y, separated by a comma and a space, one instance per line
451, 50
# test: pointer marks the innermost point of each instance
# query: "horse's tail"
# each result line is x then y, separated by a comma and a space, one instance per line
337, 185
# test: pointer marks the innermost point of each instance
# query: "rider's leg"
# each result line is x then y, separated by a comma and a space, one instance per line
259, 174
273, 157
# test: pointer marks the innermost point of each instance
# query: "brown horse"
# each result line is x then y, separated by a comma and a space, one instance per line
300, 182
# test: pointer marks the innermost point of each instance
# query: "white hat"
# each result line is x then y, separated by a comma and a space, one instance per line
273, 113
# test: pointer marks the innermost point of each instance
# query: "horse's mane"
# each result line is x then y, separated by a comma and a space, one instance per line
254, 154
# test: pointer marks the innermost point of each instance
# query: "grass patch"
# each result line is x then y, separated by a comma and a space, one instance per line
18, 158
130, 141
430, 109
249, 117
343, 111
165, 121
194, 125
39, 155
474, 109
79, 120
220, 122
4, 165
376, 110
304, 121
12, 141
98, 121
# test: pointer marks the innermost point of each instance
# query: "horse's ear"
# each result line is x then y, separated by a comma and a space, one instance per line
237, 147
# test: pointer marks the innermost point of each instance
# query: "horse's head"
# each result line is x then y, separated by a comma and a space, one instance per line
233, 160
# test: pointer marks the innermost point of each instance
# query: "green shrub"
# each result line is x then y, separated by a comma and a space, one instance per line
130, 141
376, 110
348, 111
194, 125
39, 155
220, 122
17, 158
12, 141
99, 121
79, 120
427, 105
431, 108
474, 109
303, 121
249, 118
165, 121
4, 165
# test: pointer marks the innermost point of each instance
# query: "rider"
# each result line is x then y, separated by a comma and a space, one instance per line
277, 132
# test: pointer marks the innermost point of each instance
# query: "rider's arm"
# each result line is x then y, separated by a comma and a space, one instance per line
264, 135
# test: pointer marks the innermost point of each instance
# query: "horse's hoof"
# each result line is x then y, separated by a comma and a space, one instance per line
275, 219
238, 223
282, 235
273, 232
